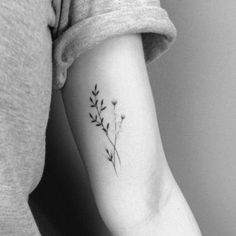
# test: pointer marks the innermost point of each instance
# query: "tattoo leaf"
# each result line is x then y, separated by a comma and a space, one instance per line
108, 126
95, 87
110, 157
91, 116
98, 124
103, 108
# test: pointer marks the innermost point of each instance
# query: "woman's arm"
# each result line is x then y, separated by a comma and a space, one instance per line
110, 108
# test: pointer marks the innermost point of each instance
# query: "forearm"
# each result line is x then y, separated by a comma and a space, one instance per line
125, 160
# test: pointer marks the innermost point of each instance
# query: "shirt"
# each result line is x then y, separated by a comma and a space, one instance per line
39, 40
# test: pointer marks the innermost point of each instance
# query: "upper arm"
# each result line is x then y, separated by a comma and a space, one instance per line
133, 187
132, 169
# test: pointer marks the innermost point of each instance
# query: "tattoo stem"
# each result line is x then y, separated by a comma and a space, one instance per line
99, 115
114, 165
115, 137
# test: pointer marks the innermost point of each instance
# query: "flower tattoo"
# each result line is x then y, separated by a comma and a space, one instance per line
97, 118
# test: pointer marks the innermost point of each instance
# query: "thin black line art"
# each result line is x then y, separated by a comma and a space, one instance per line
112, 154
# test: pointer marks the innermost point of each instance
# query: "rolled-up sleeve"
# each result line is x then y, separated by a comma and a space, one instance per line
83, 24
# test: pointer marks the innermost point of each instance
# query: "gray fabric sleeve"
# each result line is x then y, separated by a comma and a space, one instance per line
84, 23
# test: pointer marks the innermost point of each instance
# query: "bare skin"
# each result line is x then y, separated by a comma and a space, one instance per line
134, 189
